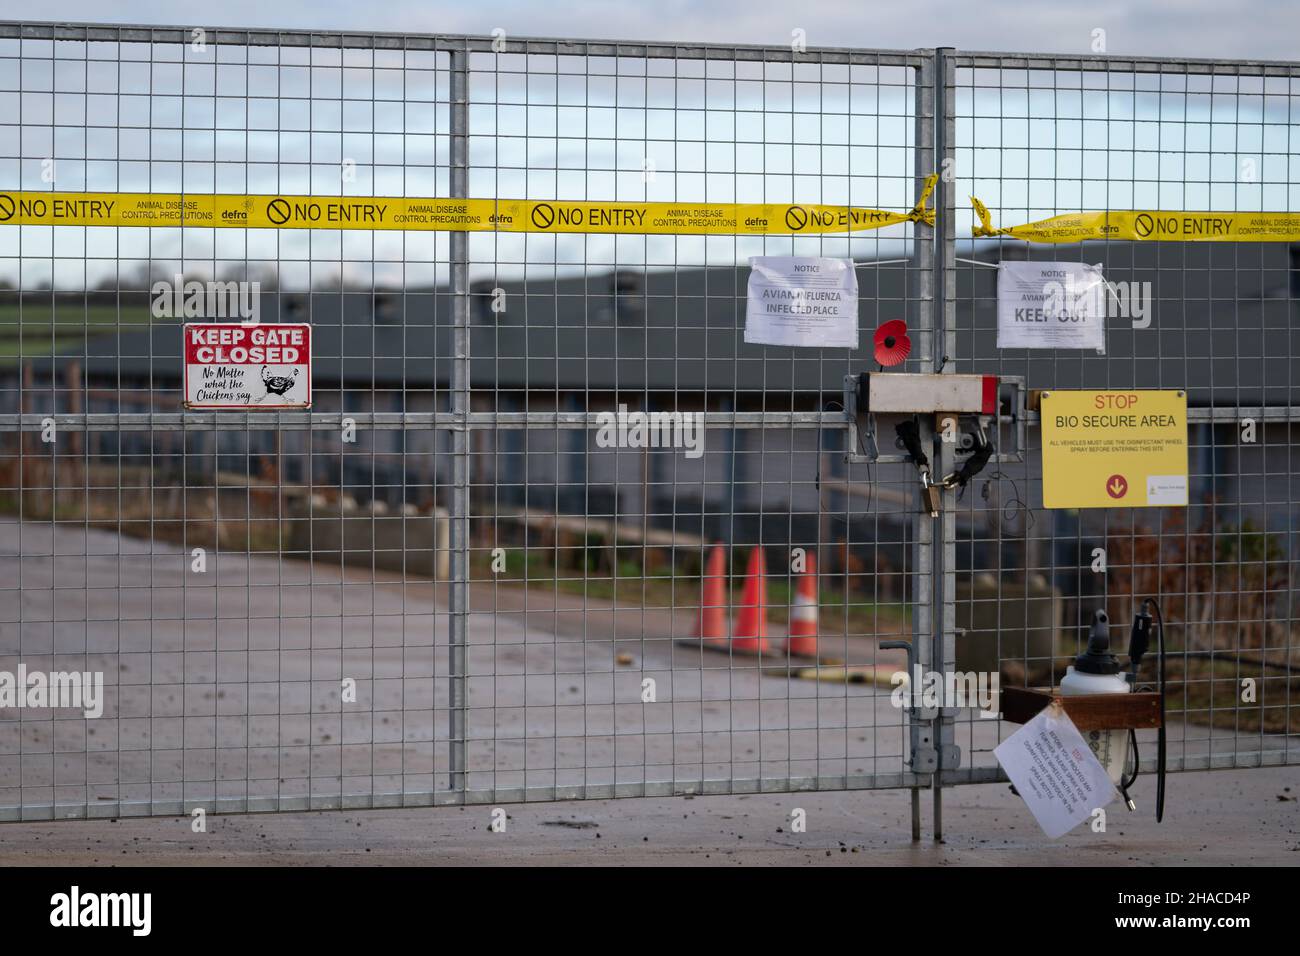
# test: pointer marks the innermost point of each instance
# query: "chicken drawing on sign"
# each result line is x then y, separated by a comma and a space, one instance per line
279, 385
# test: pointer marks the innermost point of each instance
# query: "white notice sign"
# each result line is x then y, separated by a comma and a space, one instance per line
802, 300
236, 366
1055, 772
1051, 305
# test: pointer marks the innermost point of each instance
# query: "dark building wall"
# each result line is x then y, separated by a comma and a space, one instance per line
1221, 327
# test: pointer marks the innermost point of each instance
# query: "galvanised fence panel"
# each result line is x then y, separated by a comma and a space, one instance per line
550, 525
449, 580
1207, 312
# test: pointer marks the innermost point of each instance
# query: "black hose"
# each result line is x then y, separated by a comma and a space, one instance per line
1124, 783
1160, 733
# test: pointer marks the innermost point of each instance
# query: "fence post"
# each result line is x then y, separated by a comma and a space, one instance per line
943, 615
921, 526
458, 584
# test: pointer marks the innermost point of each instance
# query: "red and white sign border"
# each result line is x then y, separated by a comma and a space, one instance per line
185, 375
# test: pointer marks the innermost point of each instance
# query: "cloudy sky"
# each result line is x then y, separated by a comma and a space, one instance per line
1262, 29
1141, 150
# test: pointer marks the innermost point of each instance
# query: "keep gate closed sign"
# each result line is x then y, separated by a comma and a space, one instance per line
235, 366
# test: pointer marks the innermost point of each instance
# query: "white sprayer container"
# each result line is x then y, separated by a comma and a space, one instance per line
1109, 746
1097, 671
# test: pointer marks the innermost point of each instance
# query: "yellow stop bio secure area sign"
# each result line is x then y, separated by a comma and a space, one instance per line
1119, 448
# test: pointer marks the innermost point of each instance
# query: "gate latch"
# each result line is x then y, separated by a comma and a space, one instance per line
909, 436
924, 755
974, 464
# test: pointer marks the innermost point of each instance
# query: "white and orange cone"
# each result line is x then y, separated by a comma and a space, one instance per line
803, 613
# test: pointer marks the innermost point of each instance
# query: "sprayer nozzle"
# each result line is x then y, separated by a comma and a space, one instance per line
1097, 658
1099, 633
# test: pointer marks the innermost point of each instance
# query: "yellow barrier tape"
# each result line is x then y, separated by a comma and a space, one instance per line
1149, 225
469, 215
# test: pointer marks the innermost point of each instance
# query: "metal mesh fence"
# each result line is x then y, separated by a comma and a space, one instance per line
459, 577
1040, 136
438, 585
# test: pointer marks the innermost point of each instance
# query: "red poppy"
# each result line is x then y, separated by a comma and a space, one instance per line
891, 343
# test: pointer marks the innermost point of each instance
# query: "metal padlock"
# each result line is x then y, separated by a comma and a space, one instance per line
931, 495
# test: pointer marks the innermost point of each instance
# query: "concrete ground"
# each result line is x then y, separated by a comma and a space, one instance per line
223, 690
1222, 818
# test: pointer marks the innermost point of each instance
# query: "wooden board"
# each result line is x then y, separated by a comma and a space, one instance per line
1088, 711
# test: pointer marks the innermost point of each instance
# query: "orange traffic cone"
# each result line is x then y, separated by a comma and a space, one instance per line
803, 613
750, 634
711, 626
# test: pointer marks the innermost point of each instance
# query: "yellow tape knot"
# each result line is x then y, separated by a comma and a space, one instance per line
985, 227
921, 212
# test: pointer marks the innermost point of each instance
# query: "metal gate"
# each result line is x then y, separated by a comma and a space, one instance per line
1041, 135
459, 578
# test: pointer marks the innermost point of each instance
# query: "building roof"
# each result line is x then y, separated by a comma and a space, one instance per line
1221, 326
